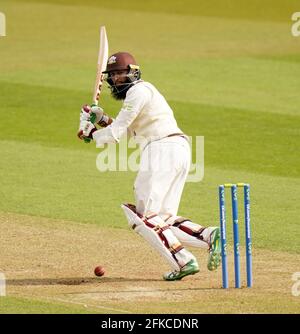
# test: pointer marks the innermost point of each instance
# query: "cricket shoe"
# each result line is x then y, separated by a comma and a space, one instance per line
190, 268
214, 256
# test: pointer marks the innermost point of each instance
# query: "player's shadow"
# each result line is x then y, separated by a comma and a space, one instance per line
98, 280
74, 280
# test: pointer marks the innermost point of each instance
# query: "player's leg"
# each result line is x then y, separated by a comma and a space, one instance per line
156, 174
192, 234
188, 232
159, 235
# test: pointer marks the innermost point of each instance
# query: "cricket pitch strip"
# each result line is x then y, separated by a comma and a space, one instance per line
52, 260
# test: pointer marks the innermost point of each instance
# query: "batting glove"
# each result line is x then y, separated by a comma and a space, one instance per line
97, 114
91, 113
86, 130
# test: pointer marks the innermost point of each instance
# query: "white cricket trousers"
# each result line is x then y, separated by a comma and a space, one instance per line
164, 167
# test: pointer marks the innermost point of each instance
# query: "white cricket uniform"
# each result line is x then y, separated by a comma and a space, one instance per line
165, 161
164, 166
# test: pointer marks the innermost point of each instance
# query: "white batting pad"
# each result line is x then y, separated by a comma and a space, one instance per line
150, 233
187, 232
188, 240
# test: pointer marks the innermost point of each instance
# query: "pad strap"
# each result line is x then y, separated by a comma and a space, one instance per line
187, 226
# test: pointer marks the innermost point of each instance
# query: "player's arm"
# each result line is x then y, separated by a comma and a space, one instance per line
135, 101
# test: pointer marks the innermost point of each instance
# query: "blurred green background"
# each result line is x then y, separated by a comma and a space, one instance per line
229, 69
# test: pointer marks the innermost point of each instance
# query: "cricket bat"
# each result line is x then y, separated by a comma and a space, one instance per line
101, 65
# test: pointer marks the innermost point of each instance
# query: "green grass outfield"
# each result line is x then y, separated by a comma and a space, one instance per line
231, 74
9, 305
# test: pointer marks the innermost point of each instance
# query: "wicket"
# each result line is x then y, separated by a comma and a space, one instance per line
236, 242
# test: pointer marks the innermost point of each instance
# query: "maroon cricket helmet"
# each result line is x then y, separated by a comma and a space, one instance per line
121, 61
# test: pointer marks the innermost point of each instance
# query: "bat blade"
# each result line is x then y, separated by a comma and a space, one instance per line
101, 65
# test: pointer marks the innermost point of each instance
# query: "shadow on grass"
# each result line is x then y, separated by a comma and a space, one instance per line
103, 280
75, 280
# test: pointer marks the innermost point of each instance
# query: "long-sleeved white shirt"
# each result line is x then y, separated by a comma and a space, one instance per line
145, 114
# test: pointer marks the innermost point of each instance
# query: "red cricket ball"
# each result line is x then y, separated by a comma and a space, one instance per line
99, 271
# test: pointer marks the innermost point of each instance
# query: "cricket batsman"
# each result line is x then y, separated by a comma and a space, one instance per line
164, 166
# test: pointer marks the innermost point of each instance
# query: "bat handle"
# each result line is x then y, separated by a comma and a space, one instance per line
93, 116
